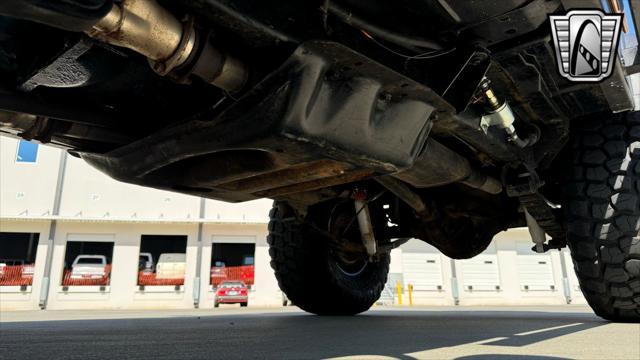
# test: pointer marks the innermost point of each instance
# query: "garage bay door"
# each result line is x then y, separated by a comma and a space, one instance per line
481, 273
535, 273
573, 279
423, 271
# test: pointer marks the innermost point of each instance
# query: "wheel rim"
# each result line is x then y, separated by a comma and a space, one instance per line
342, 226
352, 270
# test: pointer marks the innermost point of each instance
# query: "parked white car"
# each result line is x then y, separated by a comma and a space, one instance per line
89, 267
171, 266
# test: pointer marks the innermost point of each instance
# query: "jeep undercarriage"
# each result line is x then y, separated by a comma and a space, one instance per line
368, 122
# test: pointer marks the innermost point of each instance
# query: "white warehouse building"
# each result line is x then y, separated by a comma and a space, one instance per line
54, 207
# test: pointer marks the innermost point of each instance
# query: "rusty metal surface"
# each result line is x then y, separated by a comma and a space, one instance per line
149, 29
327, 116
299, 173
143, 26
317, 184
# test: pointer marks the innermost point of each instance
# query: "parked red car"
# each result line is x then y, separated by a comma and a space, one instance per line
232, 292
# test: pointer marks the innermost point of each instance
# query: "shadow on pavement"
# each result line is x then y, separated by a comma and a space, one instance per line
390, 334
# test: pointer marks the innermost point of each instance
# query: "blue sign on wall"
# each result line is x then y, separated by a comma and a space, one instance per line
27, 152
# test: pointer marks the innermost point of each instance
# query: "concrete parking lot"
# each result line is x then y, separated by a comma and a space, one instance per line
382, 333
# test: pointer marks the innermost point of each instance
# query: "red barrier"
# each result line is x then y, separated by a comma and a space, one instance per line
16, 275
101, 281
150, 279
245, 274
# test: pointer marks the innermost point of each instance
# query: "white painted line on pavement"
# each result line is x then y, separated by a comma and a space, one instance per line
547, 329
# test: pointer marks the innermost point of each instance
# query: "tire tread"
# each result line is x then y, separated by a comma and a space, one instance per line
603, 214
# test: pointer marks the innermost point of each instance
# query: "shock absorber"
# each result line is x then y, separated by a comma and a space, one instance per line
364, 221
500, 115
172, 46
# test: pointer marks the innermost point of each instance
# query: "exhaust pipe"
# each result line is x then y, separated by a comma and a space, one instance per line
438, 165
173, 47
147, 28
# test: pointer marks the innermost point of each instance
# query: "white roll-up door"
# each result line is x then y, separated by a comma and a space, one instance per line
535, 273
423, 271
571, 272
480, 273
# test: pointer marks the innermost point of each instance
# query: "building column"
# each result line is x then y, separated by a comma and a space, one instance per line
196, 280
454, 283
44, 290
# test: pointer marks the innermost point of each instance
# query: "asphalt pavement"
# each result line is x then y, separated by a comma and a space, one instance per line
417, 333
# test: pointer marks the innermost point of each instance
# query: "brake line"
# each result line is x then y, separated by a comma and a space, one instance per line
403, 40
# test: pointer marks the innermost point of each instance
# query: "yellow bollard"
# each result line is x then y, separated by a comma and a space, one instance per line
399, 288
410, 294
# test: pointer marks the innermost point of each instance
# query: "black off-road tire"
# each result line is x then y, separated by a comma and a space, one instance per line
603, 214
307, 273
